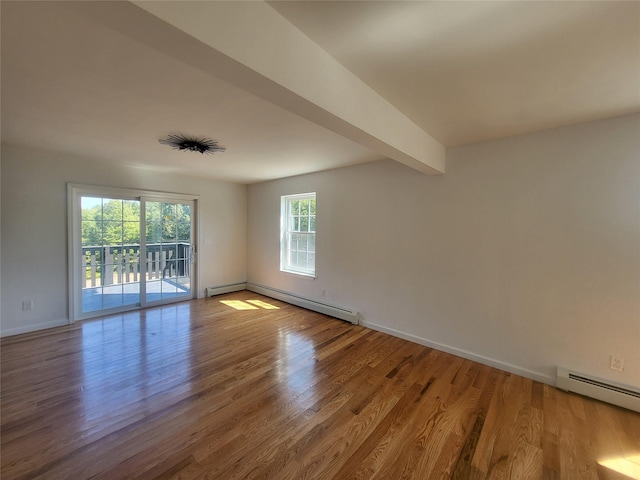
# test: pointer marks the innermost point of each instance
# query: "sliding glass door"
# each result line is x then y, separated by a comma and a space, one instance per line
168, 250
129, 251
110, 253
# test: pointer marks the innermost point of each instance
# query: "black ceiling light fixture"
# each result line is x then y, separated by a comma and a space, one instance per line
192, 144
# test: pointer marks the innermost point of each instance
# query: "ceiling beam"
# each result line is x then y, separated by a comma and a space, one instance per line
250, 45
283, 66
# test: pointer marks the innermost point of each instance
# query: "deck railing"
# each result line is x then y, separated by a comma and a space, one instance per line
113, 265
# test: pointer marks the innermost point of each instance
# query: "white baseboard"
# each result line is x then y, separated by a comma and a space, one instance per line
332, 310
34, 327
219, 290
507, 367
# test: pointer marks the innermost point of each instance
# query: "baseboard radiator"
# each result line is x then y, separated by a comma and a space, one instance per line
325, 308
235, 287
622, 396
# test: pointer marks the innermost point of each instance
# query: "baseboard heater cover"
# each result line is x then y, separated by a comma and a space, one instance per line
325, 308
622, 396
236, 287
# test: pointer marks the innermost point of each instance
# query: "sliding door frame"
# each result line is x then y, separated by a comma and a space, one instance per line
74, 241
144, 301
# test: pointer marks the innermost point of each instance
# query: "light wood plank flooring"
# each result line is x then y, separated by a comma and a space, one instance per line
255, 388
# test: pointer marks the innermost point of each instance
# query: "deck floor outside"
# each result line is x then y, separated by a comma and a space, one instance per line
98, 298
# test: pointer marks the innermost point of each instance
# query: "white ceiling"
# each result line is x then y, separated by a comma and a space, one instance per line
462, 71
479, 70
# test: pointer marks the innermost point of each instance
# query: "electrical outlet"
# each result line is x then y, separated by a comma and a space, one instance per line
617, 363
324, 293
27, 305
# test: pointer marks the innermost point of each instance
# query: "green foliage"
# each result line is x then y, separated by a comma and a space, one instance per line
117, 222
303, 215
112, 222
168, 223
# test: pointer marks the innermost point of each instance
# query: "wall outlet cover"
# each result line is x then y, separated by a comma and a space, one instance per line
616, 363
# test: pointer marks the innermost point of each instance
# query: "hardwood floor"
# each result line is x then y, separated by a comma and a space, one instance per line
202, 390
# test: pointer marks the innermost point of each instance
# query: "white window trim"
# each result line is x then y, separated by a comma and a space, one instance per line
284, 238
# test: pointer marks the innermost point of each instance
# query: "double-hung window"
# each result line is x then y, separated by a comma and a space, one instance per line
298, 234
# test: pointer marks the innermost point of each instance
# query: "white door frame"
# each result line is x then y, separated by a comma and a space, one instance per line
74, 221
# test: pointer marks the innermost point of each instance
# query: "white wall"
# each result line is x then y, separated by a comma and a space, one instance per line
525, 255
34, 229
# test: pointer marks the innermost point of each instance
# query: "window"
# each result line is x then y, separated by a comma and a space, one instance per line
298, 234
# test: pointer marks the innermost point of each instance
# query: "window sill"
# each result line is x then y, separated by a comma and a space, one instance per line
310, 276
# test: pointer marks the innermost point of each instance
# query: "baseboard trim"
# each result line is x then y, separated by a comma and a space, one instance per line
507, 367
9, 332
332, 310
219, 290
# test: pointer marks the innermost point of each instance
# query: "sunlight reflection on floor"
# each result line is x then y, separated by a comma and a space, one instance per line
265, 305
239, 305
151, 346
296, 367
249, 305
628, 465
